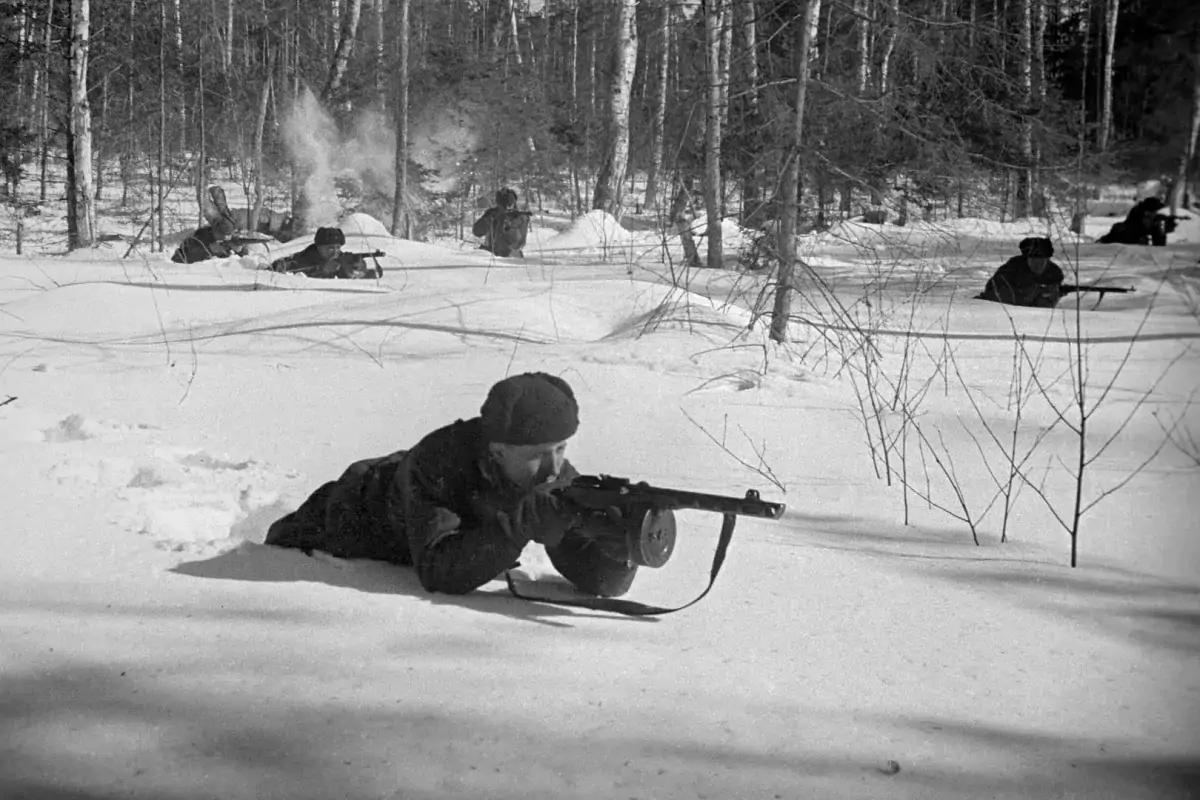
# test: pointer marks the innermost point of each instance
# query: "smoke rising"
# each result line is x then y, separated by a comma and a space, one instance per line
339, 171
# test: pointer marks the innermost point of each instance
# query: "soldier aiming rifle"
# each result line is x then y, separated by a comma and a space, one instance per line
324, 258
460, 506
1032, 279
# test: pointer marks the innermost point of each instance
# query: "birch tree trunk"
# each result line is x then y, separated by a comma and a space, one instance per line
1038, 66
751, 185
81, 126
607, 195
401, 226
227, 52
260, 124
889, 45
577, 207
1021, 203
160, 188
201, 142
378, 19
341, 54
182, 108
659, 115
44, 127
864, 52
791, 180
1185, 161
1110, 41
714, 19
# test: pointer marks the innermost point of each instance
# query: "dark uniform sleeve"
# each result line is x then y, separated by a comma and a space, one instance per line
483, 226
464, 527
1015, 284
1003, 286
450, 515
307, 262
200, 246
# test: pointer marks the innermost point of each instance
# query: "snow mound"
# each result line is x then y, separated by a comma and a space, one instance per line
74, 428
363, 225
595, 230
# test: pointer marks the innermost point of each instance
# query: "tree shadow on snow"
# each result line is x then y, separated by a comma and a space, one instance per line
1125, 605
248, 286
1121, 602
267, 563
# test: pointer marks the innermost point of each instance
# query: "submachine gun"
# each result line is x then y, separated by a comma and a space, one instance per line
645, 516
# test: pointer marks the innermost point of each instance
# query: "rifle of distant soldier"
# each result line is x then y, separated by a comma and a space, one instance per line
1068, 288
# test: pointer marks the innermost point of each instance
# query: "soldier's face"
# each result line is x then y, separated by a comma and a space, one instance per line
328, 251
1037, 264
528, 465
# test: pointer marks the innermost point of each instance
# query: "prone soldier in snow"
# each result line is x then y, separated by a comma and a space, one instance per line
460, 506
1030, 279
1144, 224
209, 241
324, 258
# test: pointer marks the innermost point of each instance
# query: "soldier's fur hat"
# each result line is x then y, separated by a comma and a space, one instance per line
506, 198
531, 408
1036, 247
223, 228
329, 236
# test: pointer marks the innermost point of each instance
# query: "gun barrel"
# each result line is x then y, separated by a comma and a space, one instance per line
593, 490
1067, 288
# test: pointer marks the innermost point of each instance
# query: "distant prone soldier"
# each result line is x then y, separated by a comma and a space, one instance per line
209, 241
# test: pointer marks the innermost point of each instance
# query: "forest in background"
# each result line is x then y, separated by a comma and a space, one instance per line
801, 111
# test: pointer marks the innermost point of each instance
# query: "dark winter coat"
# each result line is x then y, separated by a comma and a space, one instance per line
201, 246
1018, 285
503, 231
1144, 224
309, 262
437, 507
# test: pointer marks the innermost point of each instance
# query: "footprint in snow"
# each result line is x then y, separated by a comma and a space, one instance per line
185, 500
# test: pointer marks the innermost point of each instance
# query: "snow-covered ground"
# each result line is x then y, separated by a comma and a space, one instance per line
161, 416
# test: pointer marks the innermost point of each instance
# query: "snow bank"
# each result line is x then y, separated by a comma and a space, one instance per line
363, 225
595, 230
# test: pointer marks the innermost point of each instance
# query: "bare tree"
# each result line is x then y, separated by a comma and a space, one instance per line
862, 31
341, 56
84, 217
889, 45
400, 215
747, 23
659, 113
714, 23
616, 153
377, 19
805, 29
1189, 150
1023, 205
1110, 43
264, 96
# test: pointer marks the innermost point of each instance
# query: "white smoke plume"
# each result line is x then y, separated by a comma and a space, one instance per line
334, 166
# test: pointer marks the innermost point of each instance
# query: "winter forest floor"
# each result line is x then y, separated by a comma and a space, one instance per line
160, 416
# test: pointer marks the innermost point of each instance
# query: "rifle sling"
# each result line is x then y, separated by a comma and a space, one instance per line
632, 608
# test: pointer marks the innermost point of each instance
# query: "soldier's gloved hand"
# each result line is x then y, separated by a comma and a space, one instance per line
544, 516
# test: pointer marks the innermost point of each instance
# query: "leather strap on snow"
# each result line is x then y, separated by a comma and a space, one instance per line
632, 608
